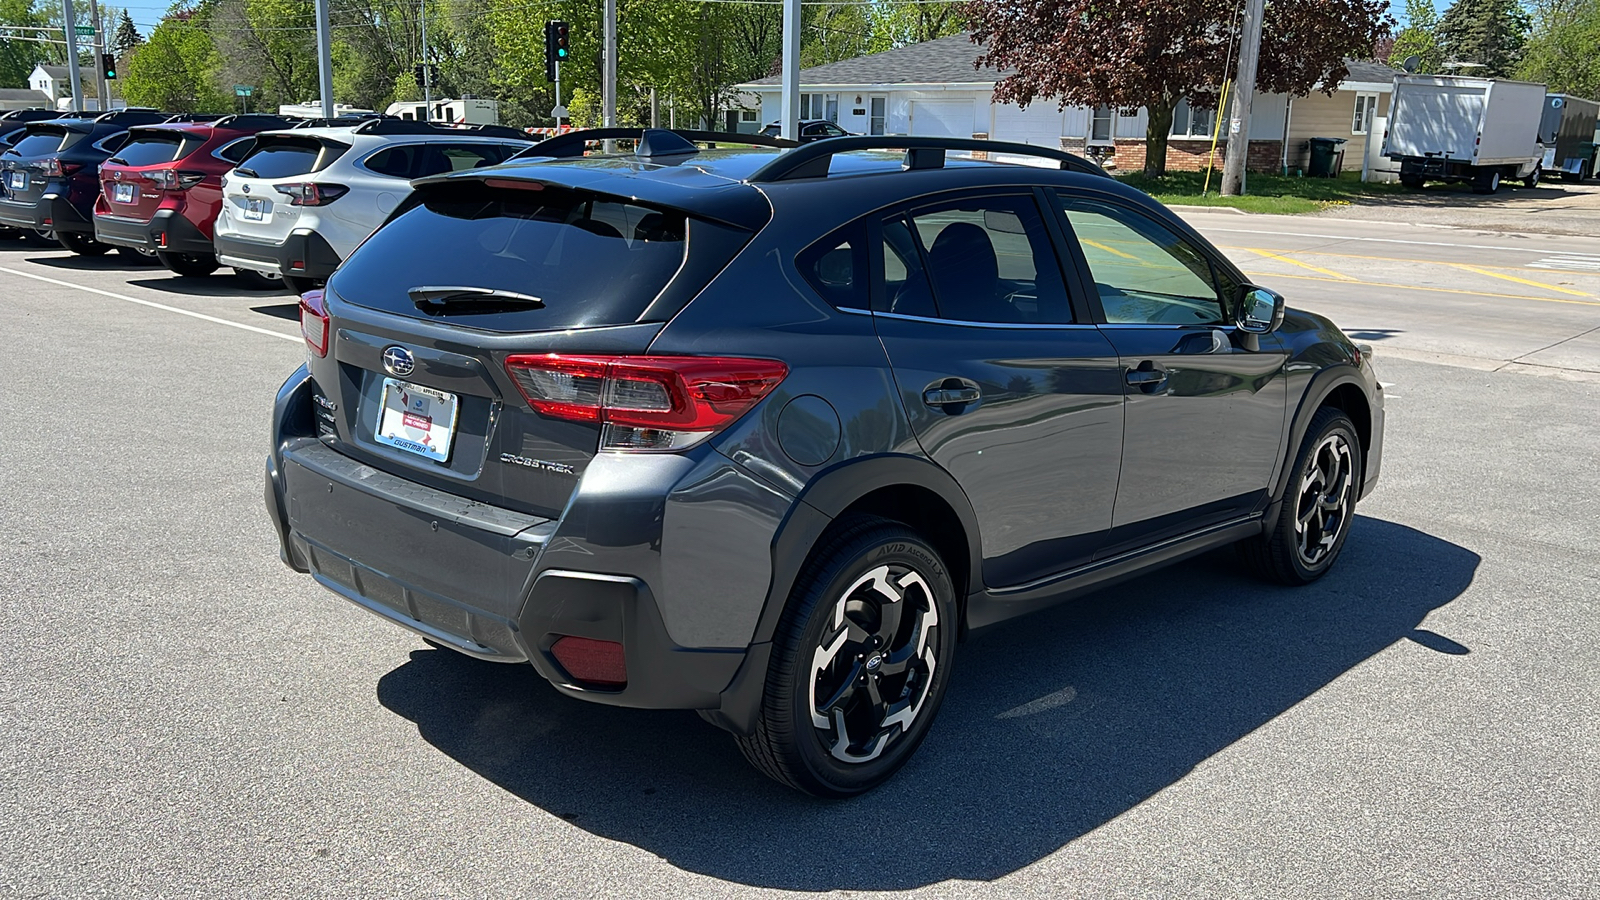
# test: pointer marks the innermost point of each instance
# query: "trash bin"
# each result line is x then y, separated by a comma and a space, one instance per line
1325, 153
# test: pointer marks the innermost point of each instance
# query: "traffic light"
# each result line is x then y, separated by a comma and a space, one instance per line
422, 79
108, 65
557, 47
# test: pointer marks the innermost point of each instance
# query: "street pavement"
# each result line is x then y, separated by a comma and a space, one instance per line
182, 716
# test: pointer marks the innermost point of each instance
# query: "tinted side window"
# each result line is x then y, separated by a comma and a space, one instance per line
990, 260
236, 151
905, 281
455, 157
837, 268
1144, 273
404, 161
113, 143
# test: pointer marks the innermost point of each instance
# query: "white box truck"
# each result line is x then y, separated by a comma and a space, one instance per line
1455, 129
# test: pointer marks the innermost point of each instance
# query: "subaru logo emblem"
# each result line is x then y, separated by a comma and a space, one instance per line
247, 189
398, 361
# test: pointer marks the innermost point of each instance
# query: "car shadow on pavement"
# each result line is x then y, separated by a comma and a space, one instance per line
110, 262
218, 286
1055, 725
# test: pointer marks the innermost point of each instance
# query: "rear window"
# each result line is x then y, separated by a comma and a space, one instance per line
153, 149
39, 143
285, 158
592, 259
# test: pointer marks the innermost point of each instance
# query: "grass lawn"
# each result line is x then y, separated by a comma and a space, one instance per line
1266, 193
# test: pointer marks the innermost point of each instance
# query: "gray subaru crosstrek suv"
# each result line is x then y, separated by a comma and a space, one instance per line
764, 432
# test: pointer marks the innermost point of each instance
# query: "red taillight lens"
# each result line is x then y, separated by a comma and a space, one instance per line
171, 180
310, 193
601, 663
649, 402
55, 167
314, 322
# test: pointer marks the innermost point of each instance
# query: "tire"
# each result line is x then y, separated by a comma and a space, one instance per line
40, 237
189, 265
1486, 182
1305, 540
257, 281
138, 257
858, 572
298, 285
1414, 182
1532, 181
82, 244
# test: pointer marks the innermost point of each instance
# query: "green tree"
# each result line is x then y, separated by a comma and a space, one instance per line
175, 69
1486, 34
1561, 50
126, 37
1419, 38
18, 58
269, 44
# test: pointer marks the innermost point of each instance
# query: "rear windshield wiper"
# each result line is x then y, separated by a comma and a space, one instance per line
433, 298
118, 160
248, 173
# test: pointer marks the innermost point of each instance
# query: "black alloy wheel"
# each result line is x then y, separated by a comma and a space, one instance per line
1318, 505
82, 244
189, 265
861, 659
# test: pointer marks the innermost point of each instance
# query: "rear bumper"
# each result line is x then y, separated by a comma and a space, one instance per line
167, 231
303, 254
469, 575
52, 211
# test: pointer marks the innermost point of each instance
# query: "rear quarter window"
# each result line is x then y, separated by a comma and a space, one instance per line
592, 259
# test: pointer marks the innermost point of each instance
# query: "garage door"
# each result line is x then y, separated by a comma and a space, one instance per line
941, 118
1039, 124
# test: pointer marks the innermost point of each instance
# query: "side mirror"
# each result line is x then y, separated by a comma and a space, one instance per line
1260, 311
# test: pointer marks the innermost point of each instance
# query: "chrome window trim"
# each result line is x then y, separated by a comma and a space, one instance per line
1004, 326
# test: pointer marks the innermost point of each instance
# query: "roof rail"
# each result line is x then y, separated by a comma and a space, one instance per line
812, 160
573, 143
255, 120
343, 121
391, 125
191, 117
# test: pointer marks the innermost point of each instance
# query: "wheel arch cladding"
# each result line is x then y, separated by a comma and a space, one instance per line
1349, 398
927, 514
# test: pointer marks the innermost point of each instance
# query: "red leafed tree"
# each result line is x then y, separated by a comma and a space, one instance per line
1153, 53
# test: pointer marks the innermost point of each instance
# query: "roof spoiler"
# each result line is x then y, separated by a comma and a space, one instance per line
652, 141
812, 160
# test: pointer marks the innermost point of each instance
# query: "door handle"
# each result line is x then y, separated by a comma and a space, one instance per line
1147, 375
950, 396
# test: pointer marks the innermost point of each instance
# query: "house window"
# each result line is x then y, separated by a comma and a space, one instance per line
747, 115
1366, 108
1100, 124
820, 106
1191, 121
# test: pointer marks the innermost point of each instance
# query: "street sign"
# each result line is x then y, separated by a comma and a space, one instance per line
243, 90
84, 30
559, 112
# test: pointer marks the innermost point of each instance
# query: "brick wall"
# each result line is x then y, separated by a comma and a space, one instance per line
1192, 156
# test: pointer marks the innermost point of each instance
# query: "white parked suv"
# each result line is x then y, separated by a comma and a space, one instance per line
304, 198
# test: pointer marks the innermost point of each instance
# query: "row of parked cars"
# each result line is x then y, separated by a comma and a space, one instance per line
281, 201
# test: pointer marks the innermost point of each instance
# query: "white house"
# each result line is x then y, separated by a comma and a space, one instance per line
932, 88
54, 87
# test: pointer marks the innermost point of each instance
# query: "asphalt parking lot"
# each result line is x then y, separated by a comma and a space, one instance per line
185, 717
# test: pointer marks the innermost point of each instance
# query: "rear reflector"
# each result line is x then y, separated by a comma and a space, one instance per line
314, 322
653, 403
590, 661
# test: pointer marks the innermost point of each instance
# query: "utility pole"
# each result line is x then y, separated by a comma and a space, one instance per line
324, 59
102, 90
1244, 89
71, 33
427, 74
609, 81
789, 119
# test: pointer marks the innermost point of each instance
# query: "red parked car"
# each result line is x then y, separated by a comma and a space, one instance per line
162, 190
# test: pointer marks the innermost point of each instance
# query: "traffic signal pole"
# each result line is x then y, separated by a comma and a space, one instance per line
324, 59
102, 89
609, 81
427, 76
69, 20
789, 123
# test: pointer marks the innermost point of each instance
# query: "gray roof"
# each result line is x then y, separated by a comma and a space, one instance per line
22, 94
939, 61
949, 60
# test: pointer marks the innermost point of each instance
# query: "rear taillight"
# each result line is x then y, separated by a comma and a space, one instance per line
55, 167
310, 193
650, 403
314, 322
171, 180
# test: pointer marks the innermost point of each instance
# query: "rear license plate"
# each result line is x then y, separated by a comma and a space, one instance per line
255, 210
417, 419
18, 181
122, 193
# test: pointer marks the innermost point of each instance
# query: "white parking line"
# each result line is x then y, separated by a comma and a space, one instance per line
150, 303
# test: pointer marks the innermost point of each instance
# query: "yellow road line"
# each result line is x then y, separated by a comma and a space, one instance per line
1295, 262
1418, 287
1426, 262
1529, 282
1099, 246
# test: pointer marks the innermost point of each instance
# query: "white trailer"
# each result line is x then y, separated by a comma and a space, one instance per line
468, 111
1568, 135
1453, 129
